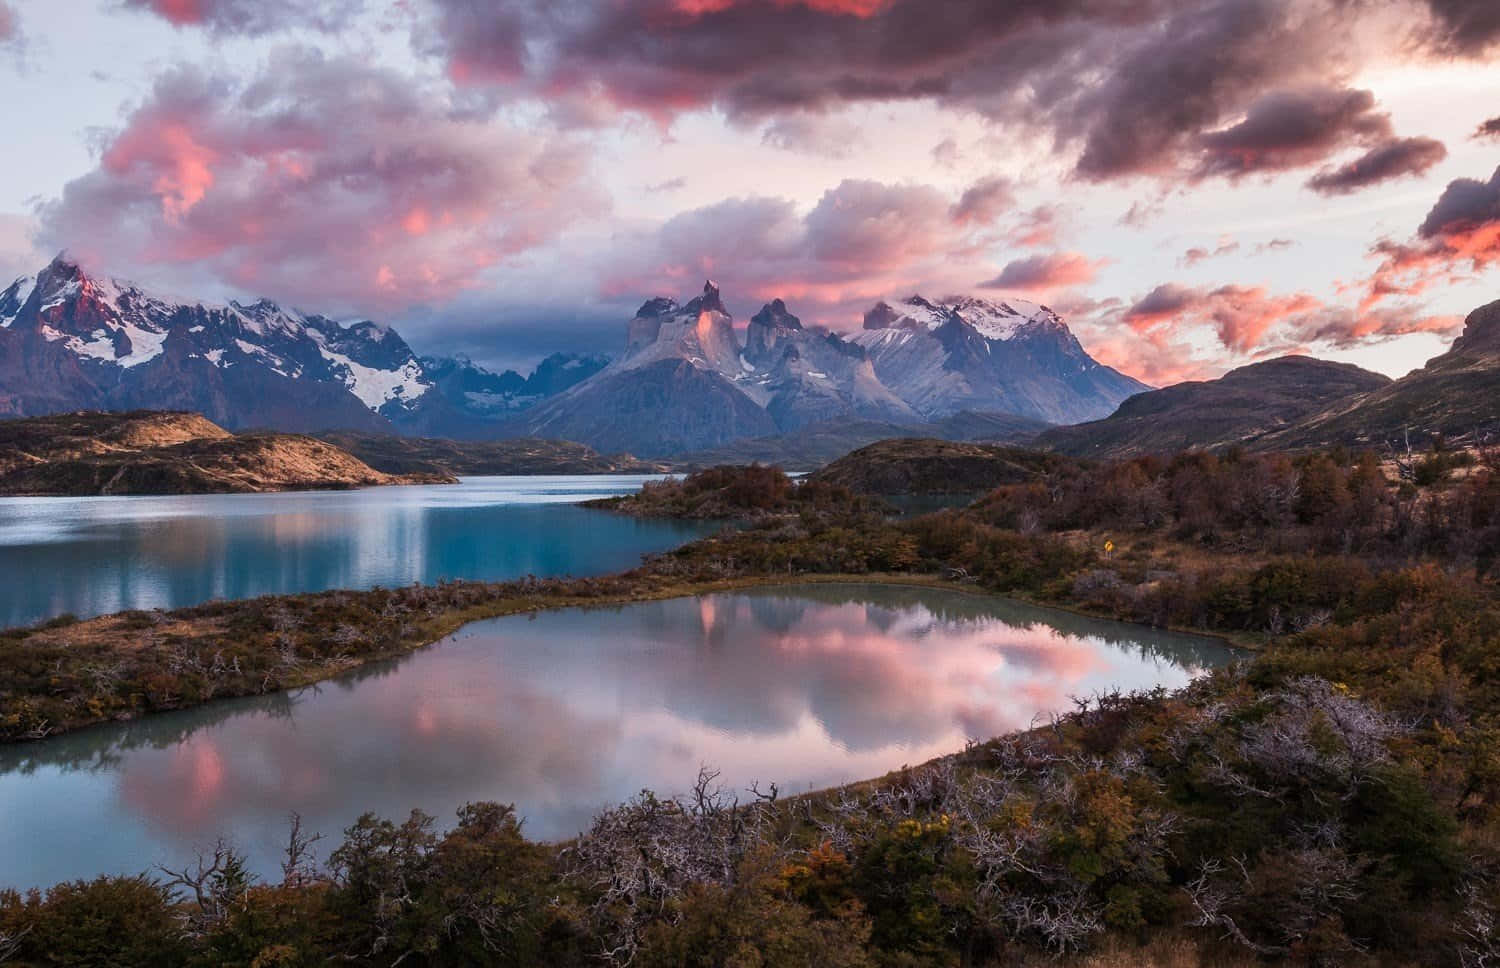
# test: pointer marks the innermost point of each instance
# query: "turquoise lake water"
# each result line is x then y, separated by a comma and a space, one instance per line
91, 556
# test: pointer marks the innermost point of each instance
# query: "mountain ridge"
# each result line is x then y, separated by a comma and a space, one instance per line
1239, 408
914, 363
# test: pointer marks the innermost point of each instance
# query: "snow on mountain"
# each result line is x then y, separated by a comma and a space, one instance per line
912, 313
994, 356
13, 298
1003, 320
74, 340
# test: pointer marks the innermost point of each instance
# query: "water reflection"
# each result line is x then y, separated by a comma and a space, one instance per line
90, 556
564, 712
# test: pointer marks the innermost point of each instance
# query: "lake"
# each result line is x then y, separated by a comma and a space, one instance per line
94, 555
567, 711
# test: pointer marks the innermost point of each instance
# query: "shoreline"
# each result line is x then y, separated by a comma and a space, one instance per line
503, 600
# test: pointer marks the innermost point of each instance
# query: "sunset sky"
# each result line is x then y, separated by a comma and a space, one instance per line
1194, 183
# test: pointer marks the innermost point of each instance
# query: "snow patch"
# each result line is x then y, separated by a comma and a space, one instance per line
375, 388
21, 290
60, 296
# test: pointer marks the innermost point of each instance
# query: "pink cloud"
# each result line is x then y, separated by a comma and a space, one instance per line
1044, 272
269, 186
1241, 316
1459, 237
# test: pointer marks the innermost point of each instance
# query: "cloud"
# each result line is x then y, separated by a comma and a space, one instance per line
1249, 320
12, 37
1199, 253
1240, 316
253, 18
1290, 129
1052, 271
1161, 88
984, 201
1488, 129
322, 180
1274, 245
1038, 226
862, 240
1397, 158
1464, 27
869, 224
1461, 234
947, 153
1343, 328
813, 134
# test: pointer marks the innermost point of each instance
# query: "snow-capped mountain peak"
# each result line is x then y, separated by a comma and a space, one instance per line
1002, 320
913, 312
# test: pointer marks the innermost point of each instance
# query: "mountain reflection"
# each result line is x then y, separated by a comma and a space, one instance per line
90, 556
564, 712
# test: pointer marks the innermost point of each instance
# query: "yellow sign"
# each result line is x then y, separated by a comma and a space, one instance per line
1109, 546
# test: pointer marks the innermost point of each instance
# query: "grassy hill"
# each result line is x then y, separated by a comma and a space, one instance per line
1240, 407
924, 466
149, 452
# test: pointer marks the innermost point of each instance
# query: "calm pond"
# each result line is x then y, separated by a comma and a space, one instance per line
565, 712
91, 556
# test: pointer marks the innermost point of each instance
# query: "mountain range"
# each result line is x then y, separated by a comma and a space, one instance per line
686, 380
70, 341
690, 385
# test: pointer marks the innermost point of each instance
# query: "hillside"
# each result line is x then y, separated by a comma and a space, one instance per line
1454, 395
409, 455
923, 466
146, 452
1240, 407
818, 444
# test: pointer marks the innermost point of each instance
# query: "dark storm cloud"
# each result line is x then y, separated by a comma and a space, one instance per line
1397, 158
1467, 27
1168, 88
1289, 129
1465, 206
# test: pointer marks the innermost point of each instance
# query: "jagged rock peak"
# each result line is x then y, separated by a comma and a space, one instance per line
709, 302
660, 306
775, 314
1481, 331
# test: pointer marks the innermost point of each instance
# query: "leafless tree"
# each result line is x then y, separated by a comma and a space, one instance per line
10, 943
216, 881
1479, 942
299, 865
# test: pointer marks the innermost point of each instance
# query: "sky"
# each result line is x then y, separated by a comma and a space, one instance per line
1193, 184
